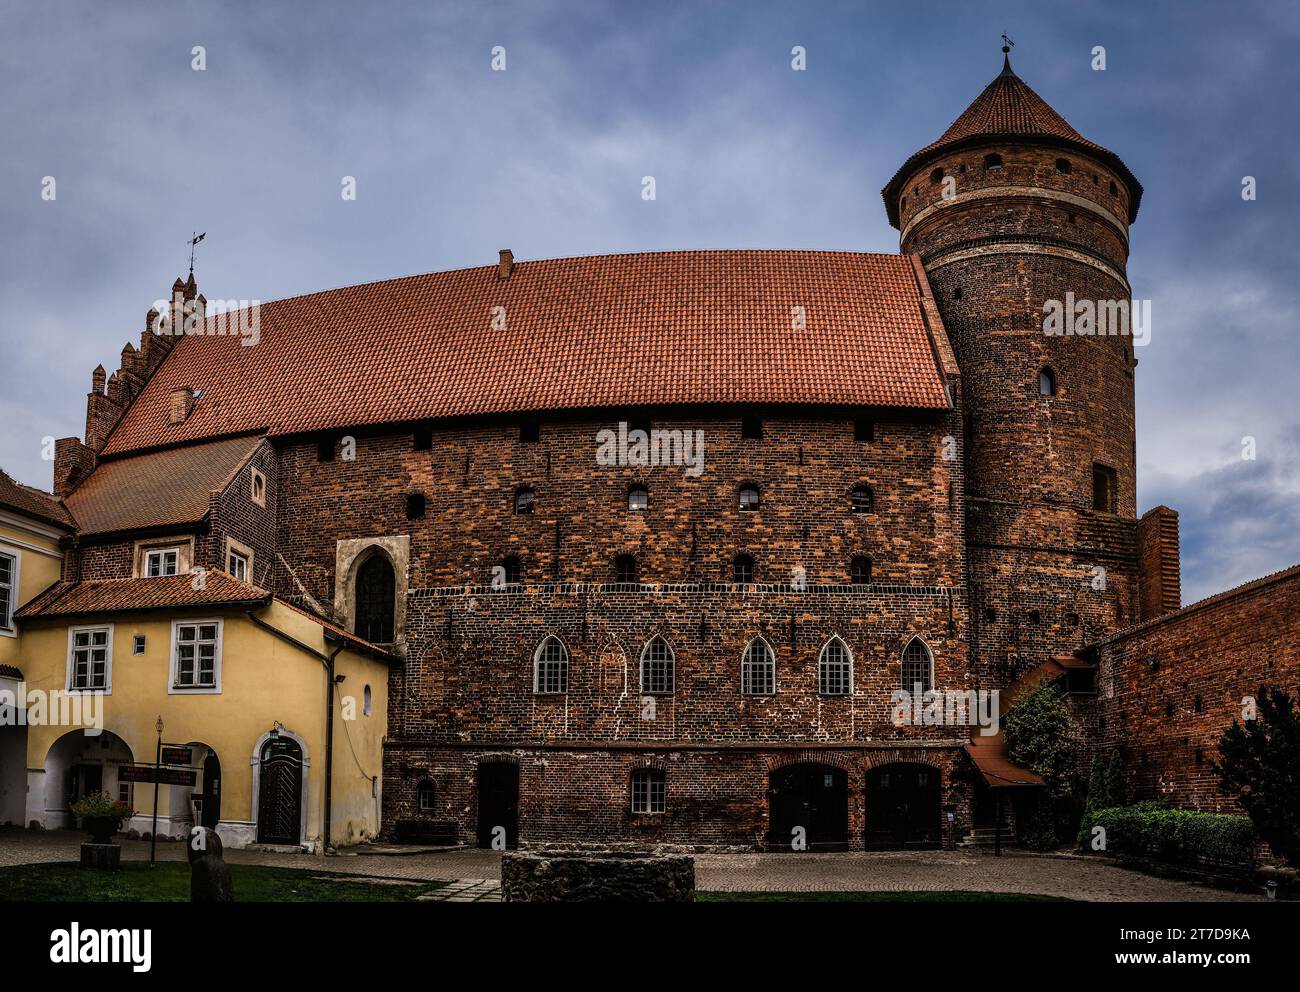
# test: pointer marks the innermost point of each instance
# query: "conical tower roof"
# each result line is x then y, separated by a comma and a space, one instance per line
1009, 109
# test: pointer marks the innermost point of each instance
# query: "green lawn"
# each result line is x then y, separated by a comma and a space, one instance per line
170, 882
956, 896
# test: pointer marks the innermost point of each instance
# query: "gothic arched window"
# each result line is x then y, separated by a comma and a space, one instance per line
657, 667
918, 666
376, 592
551, 667
758, 669
835, 669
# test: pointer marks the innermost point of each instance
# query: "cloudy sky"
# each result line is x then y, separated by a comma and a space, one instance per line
454, 161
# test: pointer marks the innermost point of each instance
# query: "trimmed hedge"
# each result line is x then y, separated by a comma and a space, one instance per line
1175, 836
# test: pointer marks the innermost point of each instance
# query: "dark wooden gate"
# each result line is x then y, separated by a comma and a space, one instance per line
279, 805
498, 802
903, 807
814, 797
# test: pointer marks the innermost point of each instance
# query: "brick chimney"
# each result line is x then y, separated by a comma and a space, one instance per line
1159, 568
506, 265
181, 405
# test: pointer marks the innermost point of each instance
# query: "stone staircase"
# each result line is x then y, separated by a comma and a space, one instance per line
982, 837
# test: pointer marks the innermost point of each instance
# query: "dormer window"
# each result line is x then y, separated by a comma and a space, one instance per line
160, 562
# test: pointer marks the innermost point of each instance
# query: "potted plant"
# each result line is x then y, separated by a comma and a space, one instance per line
101, 815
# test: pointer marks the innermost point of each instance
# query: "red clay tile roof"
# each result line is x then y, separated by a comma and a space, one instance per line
995, 767
1008, 108
32, 502
691, 327
158, 489
340, 632
69, 599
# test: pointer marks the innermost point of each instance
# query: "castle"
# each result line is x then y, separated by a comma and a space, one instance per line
837, 476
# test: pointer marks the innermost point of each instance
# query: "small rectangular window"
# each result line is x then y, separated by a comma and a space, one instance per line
237, 565
415, 506
1104, 488
161, 562
8, 568
864, 429
137, 644
422, 440
325, 450
649, 791
530, 432
124, 792
751, 427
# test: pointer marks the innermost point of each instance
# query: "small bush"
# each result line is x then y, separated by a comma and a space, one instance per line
1174, 836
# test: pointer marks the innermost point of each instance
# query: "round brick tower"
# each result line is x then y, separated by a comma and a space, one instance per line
1011, 210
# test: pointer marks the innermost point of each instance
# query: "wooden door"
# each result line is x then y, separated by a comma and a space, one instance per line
279, 809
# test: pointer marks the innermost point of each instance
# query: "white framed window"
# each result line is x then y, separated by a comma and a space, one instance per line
161, 561
8, 592
257, 487
137, 644
90, 659
649, 791
835, 669
237, 564
657, 668
196, 656
918, 666
550, 667
758, 669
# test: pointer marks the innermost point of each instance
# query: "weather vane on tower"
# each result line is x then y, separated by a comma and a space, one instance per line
194, 240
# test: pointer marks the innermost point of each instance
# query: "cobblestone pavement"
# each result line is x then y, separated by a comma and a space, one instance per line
475, 874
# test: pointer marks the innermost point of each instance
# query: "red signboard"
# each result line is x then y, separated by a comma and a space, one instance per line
174, 755
165, 776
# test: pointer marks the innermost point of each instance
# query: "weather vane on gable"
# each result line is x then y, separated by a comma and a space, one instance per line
194, 240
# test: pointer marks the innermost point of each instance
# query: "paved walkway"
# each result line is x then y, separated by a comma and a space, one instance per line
475, 874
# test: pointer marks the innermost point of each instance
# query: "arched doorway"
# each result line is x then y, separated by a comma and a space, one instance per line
376, 596
279, 801
903, 806
812, 797
79, 763
498, 802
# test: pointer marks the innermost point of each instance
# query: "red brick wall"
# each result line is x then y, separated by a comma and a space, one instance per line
715, 797
1206, 659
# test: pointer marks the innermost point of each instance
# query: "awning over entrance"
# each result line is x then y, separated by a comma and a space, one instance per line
990, 757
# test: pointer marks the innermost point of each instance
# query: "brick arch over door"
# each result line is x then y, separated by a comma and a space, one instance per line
350, 556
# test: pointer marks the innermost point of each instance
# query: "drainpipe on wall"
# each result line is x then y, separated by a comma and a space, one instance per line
332, 680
